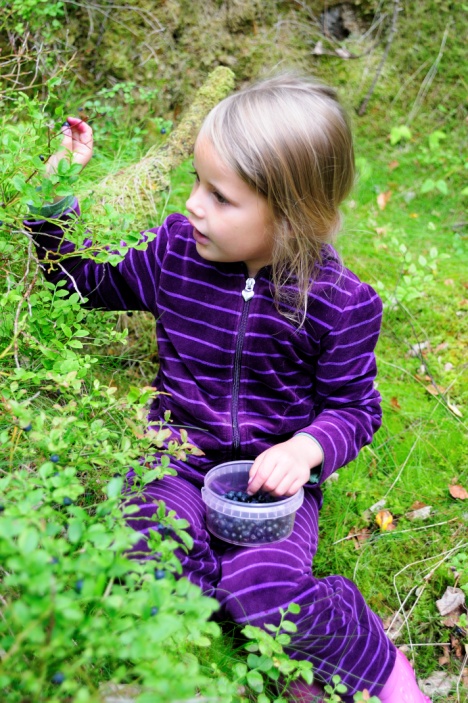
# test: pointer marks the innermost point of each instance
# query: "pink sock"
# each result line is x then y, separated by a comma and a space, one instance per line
401, 686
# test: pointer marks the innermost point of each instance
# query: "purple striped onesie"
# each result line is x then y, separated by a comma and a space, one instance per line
241, 378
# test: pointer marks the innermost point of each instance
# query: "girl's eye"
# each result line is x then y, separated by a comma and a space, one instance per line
220, 198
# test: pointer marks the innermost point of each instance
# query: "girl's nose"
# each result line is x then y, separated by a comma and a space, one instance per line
194, 205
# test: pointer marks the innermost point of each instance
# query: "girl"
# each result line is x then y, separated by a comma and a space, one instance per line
266, 346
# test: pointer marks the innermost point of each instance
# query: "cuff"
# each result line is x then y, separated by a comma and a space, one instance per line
53, 209
316, 472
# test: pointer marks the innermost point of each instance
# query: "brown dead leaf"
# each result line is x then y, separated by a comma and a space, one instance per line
420, 513
394, 403
458, 492
452, 618
383, 198
359, 536
393, 164
441, 346
463, 302
449, 282
381, 231
457, 647
393, 626
417, 505
445, 658
435, 390
384, 520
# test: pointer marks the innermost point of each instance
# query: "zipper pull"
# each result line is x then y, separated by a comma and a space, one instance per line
248, 291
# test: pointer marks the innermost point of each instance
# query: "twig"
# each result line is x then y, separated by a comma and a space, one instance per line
363, 106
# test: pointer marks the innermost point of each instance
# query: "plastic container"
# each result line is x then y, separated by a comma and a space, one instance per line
245, 524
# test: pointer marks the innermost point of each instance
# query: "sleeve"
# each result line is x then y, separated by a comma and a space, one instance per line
130, 285
349, 404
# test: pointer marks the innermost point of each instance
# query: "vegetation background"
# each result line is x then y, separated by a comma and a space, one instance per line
76, 613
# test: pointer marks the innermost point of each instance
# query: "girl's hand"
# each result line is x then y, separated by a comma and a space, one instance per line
283, 469
77, 144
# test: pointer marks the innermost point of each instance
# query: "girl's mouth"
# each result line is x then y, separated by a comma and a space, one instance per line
199, 237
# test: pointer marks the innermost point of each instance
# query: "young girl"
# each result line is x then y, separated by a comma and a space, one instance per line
266, 346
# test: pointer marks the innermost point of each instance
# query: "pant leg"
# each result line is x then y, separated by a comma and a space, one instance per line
201, 566
337, 631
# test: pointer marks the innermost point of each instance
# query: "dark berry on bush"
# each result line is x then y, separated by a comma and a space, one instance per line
2, 508
42, 157
154, 610
55, 458
163, 130
67, 501
54, 560
79, 585
28, 428
159, 574
58, 677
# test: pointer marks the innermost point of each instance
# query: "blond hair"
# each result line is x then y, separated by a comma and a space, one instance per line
289, 138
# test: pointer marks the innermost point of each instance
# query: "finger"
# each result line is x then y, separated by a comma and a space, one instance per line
254, 469
273, 480
261, 477
284, 488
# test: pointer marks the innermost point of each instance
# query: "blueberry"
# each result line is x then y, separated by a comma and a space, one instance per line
159, 574
55, 458
54, 560
58, 678
42, 157
154, 610
163, 130
79, 585
67, 501
28, 427
80, 109
2, 508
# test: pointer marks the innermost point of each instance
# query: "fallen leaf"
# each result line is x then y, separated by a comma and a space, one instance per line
463, 301
416, 349
417, 505
435, 390
458, 492
383, 198
393, 164
393, 626
450, 601
449, 282
420, 513
378, 506
384, 520
381, 231
414, 215
448, 366
454, 409
457, 647
439, 683
359, 536
394, 403
445, 659
452, 618
441, 346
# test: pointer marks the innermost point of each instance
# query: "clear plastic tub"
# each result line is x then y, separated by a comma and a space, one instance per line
245, 524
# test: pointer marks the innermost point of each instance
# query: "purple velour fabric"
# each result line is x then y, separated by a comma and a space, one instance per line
240, 377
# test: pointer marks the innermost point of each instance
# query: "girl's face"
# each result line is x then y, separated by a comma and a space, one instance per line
231, 222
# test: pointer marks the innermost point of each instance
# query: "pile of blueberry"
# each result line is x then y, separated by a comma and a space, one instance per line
245, 531
244, 497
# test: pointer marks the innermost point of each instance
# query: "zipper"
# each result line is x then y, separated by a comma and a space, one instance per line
247, 294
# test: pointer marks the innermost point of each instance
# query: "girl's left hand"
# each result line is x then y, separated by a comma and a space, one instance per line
283, 469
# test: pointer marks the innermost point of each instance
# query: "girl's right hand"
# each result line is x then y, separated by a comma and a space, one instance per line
77, 144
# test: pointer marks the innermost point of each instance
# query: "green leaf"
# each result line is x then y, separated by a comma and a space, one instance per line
255, 681
283, 639
75, 530
289, 626
442, 186
294, 608
428, 185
